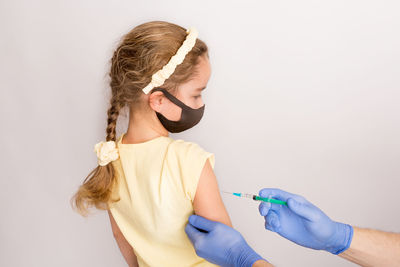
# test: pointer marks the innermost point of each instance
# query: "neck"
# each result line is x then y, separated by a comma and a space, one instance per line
143, 126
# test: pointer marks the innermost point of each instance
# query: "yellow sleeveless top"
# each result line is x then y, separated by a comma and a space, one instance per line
156, 184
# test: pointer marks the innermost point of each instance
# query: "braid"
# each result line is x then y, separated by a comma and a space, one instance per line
96, 189
112, 114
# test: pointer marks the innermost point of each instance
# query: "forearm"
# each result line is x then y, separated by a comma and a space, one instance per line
127, 251
262, 263
373, 248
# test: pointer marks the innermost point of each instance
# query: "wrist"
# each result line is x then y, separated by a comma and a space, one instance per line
244, 256
342, 239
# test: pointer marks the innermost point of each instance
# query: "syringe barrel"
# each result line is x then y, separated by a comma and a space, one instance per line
248, 195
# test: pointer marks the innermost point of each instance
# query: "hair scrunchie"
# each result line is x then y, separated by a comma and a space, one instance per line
106, 152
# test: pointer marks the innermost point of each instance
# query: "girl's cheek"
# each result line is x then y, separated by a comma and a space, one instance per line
175, 113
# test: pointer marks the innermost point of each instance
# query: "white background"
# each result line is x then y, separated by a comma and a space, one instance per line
304, 96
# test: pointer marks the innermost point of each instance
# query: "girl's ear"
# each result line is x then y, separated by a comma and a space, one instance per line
156, 100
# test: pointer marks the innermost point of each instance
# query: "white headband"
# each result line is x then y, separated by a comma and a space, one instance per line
158, 78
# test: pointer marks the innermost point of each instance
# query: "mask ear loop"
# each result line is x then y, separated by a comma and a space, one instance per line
175, 100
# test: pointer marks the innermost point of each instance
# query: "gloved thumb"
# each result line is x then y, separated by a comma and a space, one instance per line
201, 223
301, 209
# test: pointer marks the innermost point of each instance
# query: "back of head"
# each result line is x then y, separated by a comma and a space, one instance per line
141, 52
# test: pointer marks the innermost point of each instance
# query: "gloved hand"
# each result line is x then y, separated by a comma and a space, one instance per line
219, 243
303, 223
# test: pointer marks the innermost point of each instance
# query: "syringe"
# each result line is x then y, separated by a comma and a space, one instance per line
255, 197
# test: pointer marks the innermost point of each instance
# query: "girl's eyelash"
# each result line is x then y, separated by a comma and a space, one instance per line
197, 96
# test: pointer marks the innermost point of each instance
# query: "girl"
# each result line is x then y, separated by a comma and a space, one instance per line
150, 183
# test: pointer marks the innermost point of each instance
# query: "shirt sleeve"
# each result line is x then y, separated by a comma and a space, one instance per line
193, 158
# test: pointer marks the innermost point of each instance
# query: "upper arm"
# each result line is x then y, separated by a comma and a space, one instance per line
207, 201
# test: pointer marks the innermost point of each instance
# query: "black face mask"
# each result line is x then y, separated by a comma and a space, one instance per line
189, 116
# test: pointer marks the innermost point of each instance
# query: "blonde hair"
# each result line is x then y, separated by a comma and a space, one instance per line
141, 52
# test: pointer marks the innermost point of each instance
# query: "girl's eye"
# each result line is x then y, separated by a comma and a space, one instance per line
197, 96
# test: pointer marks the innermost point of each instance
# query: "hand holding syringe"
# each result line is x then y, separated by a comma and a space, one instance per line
255, 197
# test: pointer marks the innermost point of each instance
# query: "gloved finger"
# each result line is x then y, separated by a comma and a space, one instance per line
264, 207
202, 223
275, 193
276, 207
193, 233
272, 221
303, 209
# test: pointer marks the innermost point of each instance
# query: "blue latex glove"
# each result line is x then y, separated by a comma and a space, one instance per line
219, 243
303, 223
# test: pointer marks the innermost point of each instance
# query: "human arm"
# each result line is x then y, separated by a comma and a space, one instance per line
207, 201
373, 248
221, 244
305, 224
126, 249
213, 242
